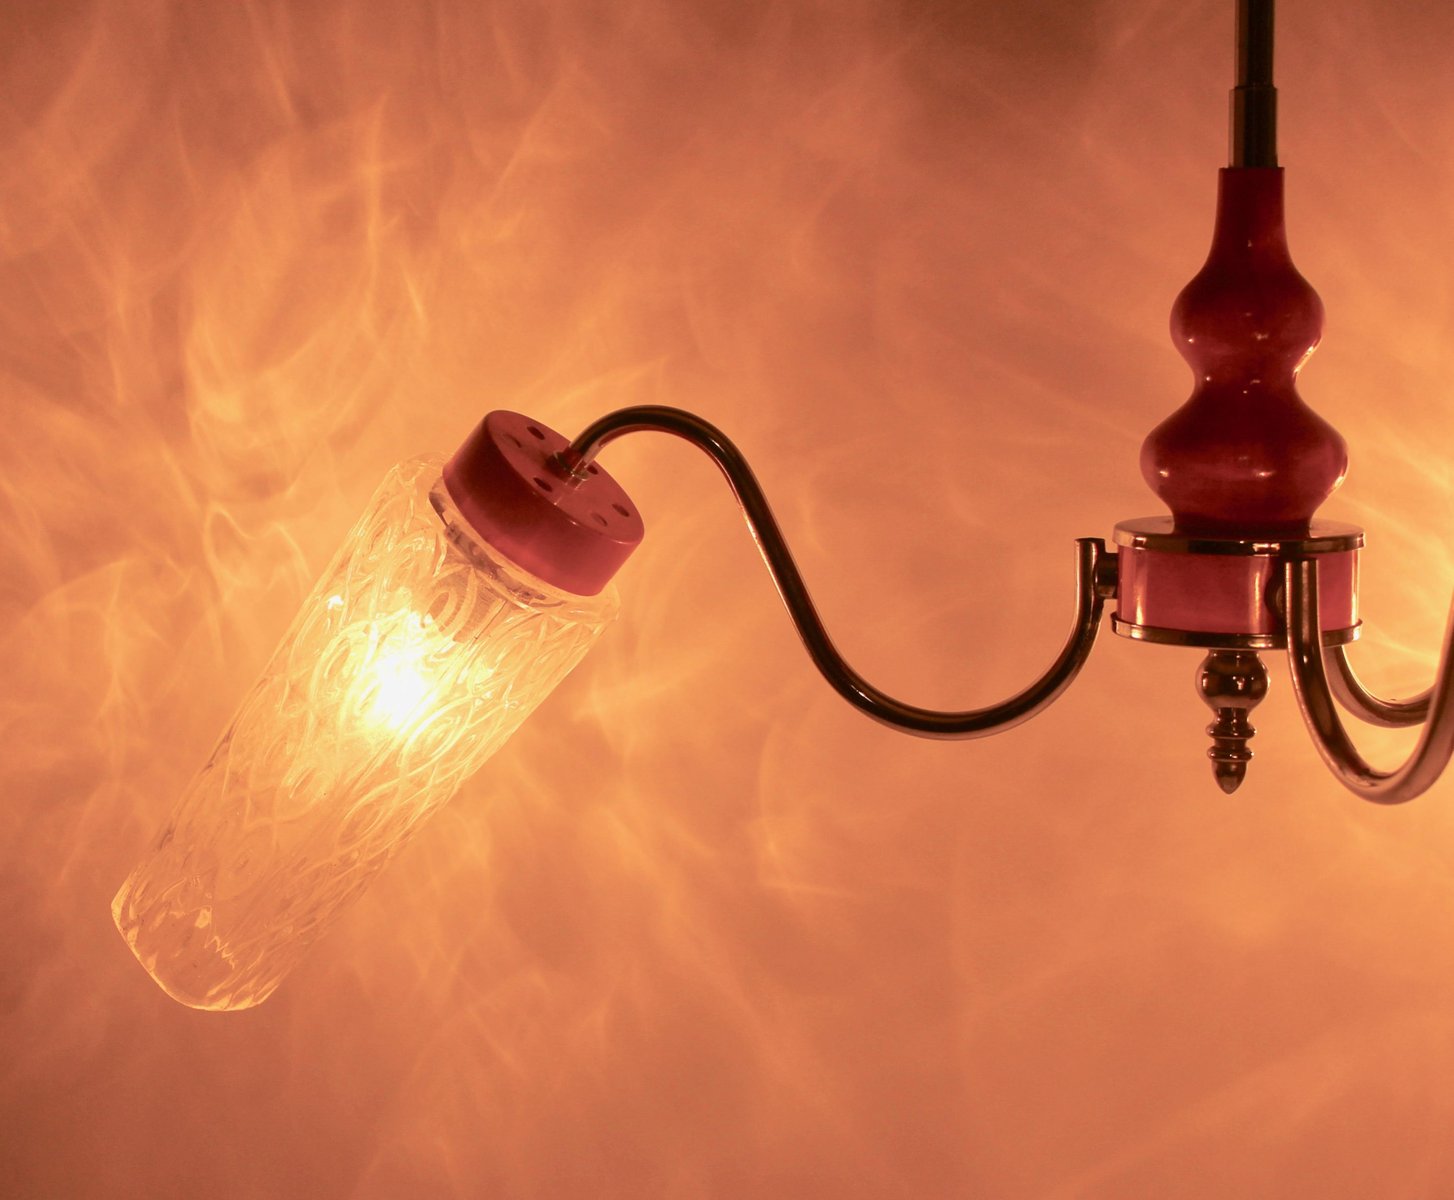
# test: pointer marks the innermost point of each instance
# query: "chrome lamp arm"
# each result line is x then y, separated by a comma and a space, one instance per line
1352, 695
1315, 697
1095, 583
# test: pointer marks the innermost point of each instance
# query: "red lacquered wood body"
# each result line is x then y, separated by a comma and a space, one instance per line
1244, 455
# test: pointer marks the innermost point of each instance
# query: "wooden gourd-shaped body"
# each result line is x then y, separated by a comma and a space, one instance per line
1244, 455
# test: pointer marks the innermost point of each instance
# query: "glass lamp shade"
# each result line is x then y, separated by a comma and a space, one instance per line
418, 653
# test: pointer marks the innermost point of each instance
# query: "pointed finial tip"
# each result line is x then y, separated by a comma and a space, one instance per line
1229, 775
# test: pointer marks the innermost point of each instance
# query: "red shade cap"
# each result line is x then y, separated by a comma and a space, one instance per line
573, 534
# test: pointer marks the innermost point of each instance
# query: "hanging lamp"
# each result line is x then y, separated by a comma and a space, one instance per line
470, 587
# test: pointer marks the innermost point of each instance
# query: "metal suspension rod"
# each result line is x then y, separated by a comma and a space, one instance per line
1254, 99
1093, 585
1352, 695
1310, 685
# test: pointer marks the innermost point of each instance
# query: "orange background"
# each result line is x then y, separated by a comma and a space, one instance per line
701, 930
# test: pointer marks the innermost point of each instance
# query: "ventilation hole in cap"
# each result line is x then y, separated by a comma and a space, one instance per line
600, 520
534, 432
593, 469
543, 484
622, 509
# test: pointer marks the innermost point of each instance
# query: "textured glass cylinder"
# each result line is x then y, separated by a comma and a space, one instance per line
418, 653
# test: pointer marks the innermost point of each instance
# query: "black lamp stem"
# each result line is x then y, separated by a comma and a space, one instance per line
1254, 99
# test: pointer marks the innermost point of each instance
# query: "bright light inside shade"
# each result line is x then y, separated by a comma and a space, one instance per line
400, 690
416, 656
399, 683
394, 683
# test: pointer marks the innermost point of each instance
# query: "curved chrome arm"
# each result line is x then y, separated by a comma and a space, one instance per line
1310, 685
1094, 569
1352, 695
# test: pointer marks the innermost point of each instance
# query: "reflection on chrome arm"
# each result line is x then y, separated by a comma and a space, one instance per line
1315, 697
1352, 695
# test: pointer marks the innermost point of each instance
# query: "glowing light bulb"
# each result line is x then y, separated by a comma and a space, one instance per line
422, 648
400, 684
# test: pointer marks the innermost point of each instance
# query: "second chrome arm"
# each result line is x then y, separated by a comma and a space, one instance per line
1315, 698
1352, 695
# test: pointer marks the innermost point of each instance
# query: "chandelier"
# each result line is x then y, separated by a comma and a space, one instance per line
471, 586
